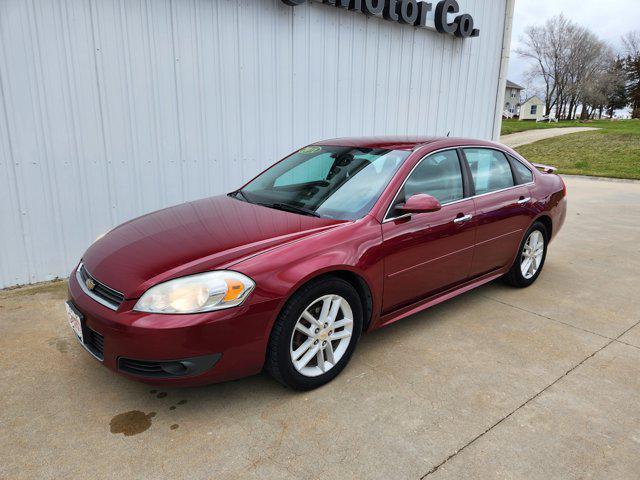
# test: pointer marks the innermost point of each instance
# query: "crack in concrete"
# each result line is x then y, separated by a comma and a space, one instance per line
565, 323
530, 399
628, 344
548, 318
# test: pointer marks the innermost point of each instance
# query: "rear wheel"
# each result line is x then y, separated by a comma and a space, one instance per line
315, 334
530, 259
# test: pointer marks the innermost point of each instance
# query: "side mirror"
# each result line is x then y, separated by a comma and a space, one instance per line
420, 203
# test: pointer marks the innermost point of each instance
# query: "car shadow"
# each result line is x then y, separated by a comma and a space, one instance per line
269, 389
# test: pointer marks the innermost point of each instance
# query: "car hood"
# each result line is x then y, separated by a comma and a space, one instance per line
190, 238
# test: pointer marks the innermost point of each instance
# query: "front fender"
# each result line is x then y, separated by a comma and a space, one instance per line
279, 273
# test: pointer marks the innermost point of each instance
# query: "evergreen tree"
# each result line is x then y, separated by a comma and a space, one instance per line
617, 96
631, 42
633, 88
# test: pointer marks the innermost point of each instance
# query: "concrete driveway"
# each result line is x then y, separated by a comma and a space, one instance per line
498, 383
514, 140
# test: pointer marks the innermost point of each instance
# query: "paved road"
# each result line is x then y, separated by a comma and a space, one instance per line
522, 138
498, 383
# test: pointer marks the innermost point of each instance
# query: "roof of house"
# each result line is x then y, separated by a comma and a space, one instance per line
531, 98
510, 84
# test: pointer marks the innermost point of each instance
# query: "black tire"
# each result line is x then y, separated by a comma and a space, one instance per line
514, 276
279, 363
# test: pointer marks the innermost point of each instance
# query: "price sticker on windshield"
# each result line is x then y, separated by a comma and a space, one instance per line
310, 150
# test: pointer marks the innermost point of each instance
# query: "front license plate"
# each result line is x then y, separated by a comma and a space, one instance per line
74, 320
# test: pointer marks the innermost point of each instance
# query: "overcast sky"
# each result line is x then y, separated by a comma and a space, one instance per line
608, 19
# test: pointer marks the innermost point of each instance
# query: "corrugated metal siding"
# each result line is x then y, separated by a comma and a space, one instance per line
113, 108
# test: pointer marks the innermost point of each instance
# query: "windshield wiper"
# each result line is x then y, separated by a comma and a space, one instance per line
290, 208
278, 206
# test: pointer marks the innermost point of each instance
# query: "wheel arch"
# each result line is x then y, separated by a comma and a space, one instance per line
364, 292
548, 224
354, 279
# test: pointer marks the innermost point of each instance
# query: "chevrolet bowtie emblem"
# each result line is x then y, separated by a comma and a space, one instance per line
90, 284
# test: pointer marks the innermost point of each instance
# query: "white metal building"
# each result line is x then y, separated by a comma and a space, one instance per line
113, 108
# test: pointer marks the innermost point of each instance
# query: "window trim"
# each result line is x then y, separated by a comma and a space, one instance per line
466, 178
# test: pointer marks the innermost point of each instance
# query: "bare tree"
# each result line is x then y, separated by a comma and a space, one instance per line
591, 73
631, 43
572, 63
543, 45
599, 94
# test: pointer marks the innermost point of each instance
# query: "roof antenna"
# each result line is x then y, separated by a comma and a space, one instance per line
448, 133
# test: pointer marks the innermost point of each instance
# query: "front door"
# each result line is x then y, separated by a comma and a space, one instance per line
428, 252
501, 209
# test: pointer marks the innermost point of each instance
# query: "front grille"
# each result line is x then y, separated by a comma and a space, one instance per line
100, 292
94, 342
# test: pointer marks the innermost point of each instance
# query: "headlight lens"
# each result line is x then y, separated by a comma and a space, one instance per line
203, 292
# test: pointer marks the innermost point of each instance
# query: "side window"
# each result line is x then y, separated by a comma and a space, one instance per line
438, 175
523, 174
490, 170
534, 109
315, 169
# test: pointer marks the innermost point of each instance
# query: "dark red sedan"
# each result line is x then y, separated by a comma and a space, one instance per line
284, 274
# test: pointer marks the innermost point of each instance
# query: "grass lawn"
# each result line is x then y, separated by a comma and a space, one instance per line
613, 151
515, 126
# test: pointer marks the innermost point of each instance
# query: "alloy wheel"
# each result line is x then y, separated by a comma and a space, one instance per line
321, 335
532, 253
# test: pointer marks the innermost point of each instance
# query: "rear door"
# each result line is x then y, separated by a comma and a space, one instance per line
428, 252
501, 202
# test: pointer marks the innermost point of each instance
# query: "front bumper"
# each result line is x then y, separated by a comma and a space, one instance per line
235, 338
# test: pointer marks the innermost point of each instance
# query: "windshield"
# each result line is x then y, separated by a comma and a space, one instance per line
329, 181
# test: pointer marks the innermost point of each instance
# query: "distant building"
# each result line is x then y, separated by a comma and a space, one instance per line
512, 99
532, 109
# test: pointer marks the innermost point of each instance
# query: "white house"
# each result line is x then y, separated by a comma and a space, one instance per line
532, 109
512, 97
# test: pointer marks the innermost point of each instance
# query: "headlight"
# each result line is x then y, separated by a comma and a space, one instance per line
203, 292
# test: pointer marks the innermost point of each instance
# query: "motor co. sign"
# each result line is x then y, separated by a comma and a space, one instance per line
410, 12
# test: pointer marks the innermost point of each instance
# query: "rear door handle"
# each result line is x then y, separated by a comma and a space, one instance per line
463, 219
523, 200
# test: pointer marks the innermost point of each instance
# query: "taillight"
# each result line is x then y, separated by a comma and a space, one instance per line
564, 188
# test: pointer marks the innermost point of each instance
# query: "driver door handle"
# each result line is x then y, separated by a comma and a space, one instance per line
463, 219
523, 200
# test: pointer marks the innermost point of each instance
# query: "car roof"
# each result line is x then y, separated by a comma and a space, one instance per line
401, 142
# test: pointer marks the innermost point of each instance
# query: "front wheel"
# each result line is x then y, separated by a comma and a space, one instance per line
530, 259
315, 334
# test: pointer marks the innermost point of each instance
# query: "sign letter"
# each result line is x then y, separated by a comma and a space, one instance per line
442, 10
